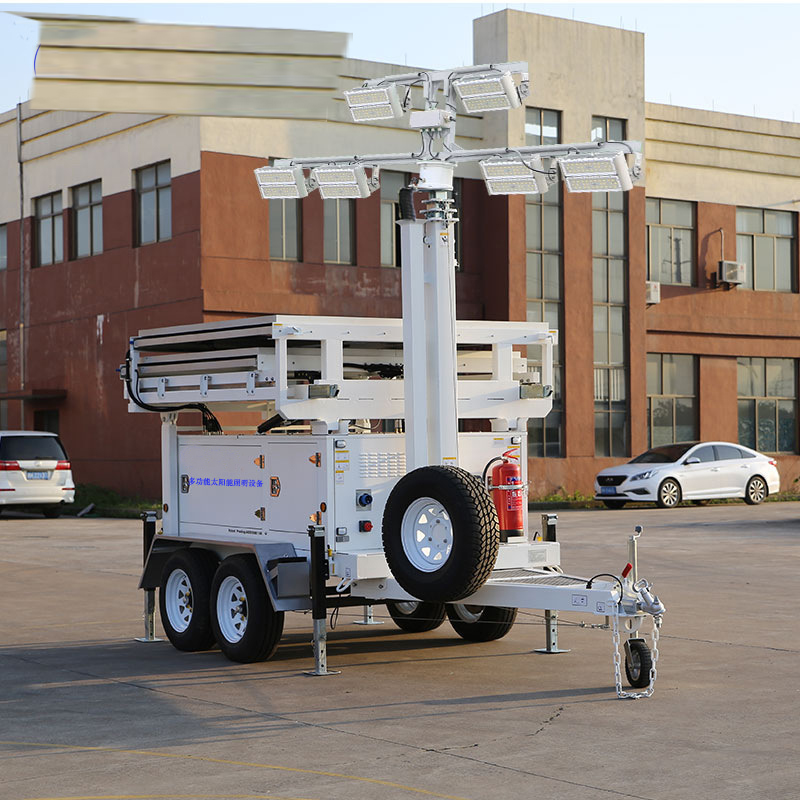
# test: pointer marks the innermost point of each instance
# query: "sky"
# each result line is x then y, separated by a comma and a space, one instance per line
740, 58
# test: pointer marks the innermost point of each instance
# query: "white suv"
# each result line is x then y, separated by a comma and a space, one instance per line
34, 471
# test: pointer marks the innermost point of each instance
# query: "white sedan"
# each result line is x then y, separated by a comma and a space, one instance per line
689, 471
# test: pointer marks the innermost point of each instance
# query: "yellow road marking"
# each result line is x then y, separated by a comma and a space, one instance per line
156, 754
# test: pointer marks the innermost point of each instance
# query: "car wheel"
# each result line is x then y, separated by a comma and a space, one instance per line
638, 662
614, 503
669, 493
245, 624
481, 623
183, 599
440, 533
416, 617
756, 491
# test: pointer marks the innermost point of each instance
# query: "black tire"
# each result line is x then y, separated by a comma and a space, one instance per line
669, 493
615, 504
184, 600
415, 617
637, 668
52, 512
756, 491
481, 623
464, 553
250, 630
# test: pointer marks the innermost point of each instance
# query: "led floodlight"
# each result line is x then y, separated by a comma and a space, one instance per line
600, 174
487, 93
509, 176
281, 182
342, 182
378, 103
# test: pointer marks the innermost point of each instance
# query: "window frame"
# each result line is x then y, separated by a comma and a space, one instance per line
160, 190
650, 226
283, 238
611, 377
673, 397
757, 401
351, 259
392, 205
754, 237
545, 436
3, 247
54, 219
95, 204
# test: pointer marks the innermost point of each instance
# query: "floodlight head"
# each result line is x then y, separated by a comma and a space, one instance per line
607, 173
487, 93
344, 182
380, 102
284, 183
514, 176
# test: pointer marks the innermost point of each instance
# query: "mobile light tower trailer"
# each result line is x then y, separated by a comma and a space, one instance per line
428, 520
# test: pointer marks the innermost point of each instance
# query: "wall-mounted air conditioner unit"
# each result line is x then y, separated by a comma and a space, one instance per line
731, 272
653, 292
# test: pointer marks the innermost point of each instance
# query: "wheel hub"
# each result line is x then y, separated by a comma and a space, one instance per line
427, 534
178, 600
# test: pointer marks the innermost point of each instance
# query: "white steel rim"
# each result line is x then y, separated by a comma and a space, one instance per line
669, 493
407, 607
757, 490
178, 600
232, 609
469, 614
426, 534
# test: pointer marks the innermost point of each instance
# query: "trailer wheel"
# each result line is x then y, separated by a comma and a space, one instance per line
242, 617
638, 663
183, 599
481, 623
756, 491
414, 617
440, 533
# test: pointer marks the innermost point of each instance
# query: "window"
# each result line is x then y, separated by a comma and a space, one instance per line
608, 129
285, 230
670, 241
542, 126
671, 398
609, 271
49, 225
46, 420
3, 378
391, 184
3, 247
87, 219
338, 225
154, 203
768, 404
765, 242
543, 260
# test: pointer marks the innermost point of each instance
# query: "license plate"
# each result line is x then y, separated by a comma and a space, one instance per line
38, 476
608, 490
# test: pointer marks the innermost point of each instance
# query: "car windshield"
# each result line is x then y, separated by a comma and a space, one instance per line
31, 448
666, 454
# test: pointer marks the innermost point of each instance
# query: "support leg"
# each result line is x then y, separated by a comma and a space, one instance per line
551, 633
148, 533
318, 608
368, 619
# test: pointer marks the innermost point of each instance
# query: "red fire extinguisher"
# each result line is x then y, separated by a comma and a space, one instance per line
507, 493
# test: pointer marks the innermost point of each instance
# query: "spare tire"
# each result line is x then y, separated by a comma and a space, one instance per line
440, 533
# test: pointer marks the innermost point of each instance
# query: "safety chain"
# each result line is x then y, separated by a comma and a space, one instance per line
621, 693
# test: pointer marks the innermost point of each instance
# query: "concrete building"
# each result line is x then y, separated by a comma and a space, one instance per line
136, 220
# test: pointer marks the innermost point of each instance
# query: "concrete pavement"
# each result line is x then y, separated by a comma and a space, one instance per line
87, 712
